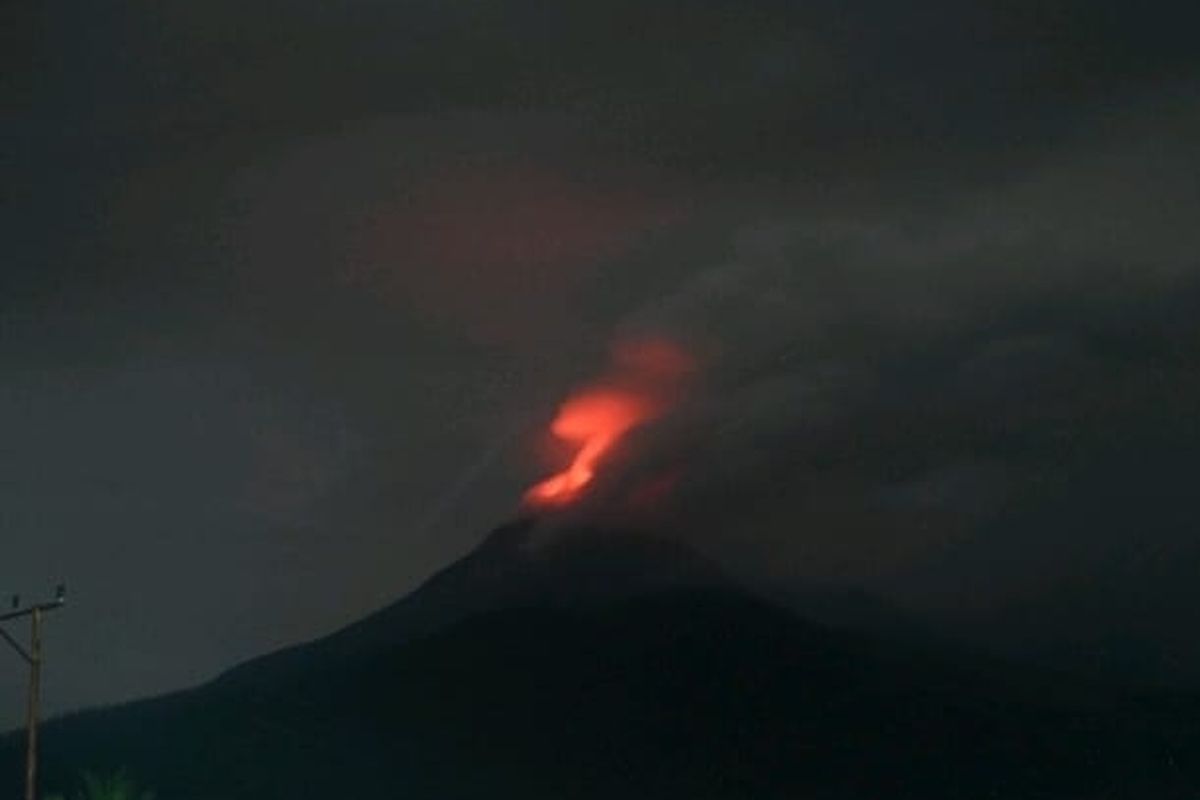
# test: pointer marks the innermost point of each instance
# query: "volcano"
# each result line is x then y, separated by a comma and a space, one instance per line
518, 565
592, 663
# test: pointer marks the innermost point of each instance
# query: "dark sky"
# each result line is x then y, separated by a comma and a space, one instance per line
291, 290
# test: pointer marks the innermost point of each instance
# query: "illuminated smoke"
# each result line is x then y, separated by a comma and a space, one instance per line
644, 382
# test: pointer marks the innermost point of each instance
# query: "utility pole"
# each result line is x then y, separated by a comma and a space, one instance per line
32, 657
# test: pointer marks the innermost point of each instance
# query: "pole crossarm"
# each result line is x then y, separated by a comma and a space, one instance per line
16, 646
25, 612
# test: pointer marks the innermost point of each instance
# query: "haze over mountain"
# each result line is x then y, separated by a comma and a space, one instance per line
602, 664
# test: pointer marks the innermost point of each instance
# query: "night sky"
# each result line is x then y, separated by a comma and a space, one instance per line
292, 290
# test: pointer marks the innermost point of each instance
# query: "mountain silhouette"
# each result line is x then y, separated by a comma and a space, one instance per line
517, 565
603, 664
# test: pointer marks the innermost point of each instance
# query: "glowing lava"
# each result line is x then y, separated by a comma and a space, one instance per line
595, 420
645, 379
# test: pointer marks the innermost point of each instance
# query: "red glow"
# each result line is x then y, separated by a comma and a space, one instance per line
645, 379
595, 420
657, 360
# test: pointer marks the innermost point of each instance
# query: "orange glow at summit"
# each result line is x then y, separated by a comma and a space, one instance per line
644, 381
594, 421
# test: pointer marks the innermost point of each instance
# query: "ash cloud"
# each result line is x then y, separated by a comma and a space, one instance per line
938, 406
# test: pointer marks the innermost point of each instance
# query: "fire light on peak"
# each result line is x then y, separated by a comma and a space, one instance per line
594, 420
645, 378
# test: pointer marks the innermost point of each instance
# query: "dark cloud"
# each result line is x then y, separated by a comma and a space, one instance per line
914, 399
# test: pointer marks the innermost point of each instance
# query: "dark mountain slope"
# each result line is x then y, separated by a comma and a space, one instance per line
518, 565
660, 691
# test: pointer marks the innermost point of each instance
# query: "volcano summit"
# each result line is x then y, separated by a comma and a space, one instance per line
604, 664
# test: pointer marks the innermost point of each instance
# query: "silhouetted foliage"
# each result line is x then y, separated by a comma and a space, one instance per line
112, 786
